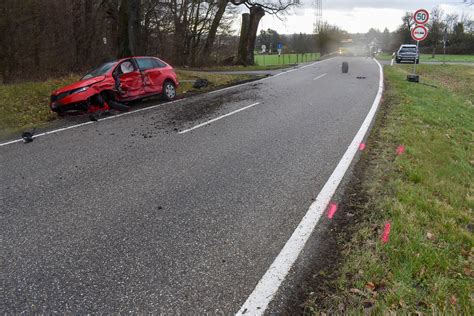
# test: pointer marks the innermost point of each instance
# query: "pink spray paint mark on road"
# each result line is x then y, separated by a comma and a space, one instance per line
361, 146
400, 150
386, 233
332, 210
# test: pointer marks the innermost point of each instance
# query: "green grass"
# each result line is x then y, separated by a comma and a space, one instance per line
26, 105
427, 195
285, 59
215, 80
438, 57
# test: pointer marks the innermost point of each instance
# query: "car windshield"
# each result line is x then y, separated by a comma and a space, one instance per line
99, 71
408, 50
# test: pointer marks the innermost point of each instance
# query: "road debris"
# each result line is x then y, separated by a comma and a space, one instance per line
28, 136
200, 83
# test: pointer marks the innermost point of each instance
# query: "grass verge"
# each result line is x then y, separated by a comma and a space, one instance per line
25, 105
438, 58
427, 196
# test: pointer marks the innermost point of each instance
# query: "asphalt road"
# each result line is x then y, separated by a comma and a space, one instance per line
128, 215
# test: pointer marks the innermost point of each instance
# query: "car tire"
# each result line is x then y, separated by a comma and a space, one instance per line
169, 90
417, 61
397, 60
345, 67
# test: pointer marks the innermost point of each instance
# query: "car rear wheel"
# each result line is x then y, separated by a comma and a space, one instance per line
169, 91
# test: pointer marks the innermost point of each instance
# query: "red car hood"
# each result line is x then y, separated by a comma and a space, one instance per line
79, 84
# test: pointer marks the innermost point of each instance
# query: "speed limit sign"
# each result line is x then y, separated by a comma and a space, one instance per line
421, 16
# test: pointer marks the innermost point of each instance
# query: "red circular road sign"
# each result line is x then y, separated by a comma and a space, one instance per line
421, 16
419, 33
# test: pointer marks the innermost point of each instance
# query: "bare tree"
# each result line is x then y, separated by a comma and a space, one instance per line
211, 36
250, 21
129, 27
436, 27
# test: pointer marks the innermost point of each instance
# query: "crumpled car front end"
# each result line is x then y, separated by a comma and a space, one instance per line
75, 97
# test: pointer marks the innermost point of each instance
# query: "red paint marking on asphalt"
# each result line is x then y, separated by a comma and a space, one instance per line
400, 150
332, 210
361, 146
386, 233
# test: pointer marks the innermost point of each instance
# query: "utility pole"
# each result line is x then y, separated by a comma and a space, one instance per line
318, 14
445, 38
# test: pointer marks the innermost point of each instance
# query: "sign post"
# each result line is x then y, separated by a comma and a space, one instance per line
418, 33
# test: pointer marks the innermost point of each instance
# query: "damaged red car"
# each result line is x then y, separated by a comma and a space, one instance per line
113, 84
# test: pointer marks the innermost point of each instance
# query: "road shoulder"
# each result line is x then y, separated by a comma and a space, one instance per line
402, 237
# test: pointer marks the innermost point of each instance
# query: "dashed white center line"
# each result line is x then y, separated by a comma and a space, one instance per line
319, 77
218, 118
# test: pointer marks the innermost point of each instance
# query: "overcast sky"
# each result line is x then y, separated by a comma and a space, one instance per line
358, 15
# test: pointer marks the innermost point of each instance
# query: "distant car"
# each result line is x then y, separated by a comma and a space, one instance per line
408, 53
113, 83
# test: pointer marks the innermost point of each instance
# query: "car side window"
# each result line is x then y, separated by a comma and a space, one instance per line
125, 68
158, 64
145, 63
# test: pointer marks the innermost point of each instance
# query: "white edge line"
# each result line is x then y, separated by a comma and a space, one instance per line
319, 77
158, 105
218, 118
266, 288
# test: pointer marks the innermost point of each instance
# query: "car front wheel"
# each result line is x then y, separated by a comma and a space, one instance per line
169, 91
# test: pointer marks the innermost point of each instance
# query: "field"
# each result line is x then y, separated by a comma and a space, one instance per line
425, 193
438, 57
285, 59
25, 105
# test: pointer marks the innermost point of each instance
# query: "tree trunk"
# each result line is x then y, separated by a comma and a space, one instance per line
209, 45
244, 32
134, 26
129, 28
256, 14
248, 35
123, 40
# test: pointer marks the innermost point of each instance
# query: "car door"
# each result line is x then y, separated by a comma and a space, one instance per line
130, 80
152, 74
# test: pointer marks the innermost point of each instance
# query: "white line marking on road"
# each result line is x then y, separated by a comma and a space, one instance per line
48, 133
262, 295
319, 77
218, 118
158, 105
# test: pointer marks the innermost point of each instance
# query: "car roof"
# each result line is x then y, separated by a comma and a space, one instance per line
408, 45
129, 57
